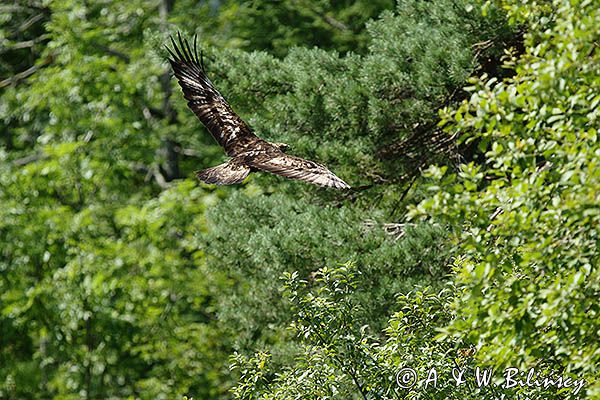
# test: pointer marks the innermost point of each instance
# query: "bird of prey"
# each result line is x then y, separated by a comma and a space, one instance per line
248, 152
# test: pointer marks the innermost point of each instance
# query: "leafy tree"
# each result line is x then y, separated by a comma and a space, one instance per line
527, 218
101, 294
340, 357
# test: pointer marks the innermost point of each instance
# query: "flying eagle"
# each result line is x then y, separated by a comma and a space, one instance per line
248, 152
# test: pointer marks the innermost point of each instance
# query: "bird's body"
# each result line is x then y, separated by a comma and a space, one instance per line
248, 152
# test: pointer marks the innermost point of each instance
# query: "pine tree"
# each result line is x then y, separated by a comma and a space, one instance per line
342, 111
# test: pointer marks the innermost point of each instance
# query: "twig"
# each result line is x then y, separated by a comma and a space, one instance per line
27, 24
152, 172
186, 152
19, 162
114, 52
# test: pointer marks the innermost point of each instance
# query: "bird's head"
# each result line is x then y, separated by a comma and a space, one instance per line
282, 146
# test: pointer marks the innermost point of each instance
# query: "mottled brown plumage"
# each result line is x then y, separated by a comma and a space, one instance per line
248, 151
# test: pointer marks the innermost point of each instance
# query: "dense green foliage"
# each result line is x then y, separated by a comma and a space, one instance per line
527, 219
524, 224
122, 277
277, 26
302, 228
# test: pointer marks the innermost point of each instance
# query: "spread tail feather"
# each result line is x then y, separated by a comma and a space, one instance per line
227, 173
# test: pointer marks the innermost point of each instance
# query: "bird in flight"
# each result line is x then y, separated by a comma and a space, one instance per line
248, 152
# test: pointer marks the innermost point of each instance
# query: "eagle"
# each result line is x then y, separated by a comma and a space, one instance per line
247, 152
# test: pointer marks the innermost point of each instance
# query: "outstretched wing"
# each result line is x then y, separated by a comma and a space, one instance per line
297, 168
229, 130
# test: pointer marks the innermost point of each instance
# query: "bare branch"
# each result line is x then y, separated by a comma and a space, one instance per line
27, 24
27, 73
19, 162
152, 172
335, 23
20, 45
186, 152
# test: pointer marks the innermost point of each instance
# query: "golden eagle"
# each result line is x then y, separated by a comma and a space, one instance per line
248, 152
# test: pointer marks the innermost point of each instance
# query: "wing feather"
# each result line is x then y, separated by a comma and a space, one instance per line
225, 174
228, 129
297, 168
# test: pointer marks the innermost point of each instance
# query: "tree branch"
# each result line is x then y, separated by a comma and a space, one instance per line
152, 172
28, 23
27, 73
19, 162
114, 52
